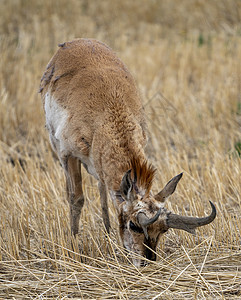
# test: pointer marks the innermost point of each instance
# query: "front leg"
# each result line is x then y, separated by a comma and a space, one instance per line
104, 205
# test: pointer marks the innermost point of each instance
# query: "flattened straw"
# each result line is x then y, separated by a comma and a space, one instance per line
56, 284
107, 264
172, 282
117, 261
203, 279
205, 258
18, 262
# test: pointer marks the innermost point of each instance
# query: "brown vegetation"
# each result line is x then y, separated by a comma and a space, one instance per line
186, 61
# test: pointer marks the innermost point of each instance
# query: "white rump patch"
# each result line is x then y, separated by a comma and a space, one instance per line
57, 124
56, 120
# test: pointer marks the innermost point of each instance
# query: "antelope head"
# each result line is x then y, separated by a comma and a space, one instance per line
142, 216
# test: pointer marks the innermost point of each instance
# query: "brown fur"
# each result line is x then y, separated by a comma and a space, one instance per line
105, 110
95, 118
106, 123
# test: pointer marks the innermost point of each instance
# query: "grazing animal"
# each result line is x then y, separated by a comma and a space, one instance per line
95, 118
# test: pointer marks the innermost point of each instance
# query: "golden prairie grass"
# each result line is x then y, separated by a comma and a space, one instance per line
186, 61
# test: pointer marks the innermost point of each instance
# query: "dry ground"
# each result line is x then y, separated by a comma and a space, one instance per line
186, 59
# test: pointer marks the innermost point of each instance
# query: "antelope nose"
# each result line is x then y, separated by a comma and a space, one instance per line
150, 254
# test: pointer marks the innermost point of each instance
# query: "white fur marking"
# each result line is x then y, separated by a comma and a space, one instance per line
56, 119
60, 138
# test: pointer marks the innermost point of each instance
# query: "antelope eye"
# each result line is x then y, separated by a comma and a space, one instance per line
135, 228
119, 197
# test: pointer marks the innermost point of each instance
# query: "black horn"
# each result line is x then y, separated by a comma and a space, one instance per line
144, 221
189, 224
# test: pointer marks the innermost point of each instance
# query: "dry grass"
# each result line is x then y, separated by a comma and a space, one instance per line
186, 60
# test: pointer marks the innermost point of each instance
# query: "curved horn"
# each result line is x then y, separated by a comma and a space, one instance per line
189, 224
144, 221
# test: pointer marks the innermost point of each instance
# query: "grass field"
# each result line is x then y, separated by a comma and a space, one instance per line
186, 58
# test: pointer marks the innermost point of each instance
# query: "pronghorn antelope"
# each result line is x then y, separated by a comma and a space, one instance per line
95, 118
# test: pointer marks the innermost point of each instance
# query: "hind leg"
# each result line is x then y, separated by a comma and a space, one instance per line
74, 189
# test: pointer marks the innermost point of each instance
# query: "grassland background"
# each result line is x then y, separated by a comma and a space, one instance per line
186, 58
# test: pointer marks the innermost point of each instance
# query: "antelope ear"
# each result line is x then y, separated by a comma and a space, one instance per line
168, 189
127, 187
